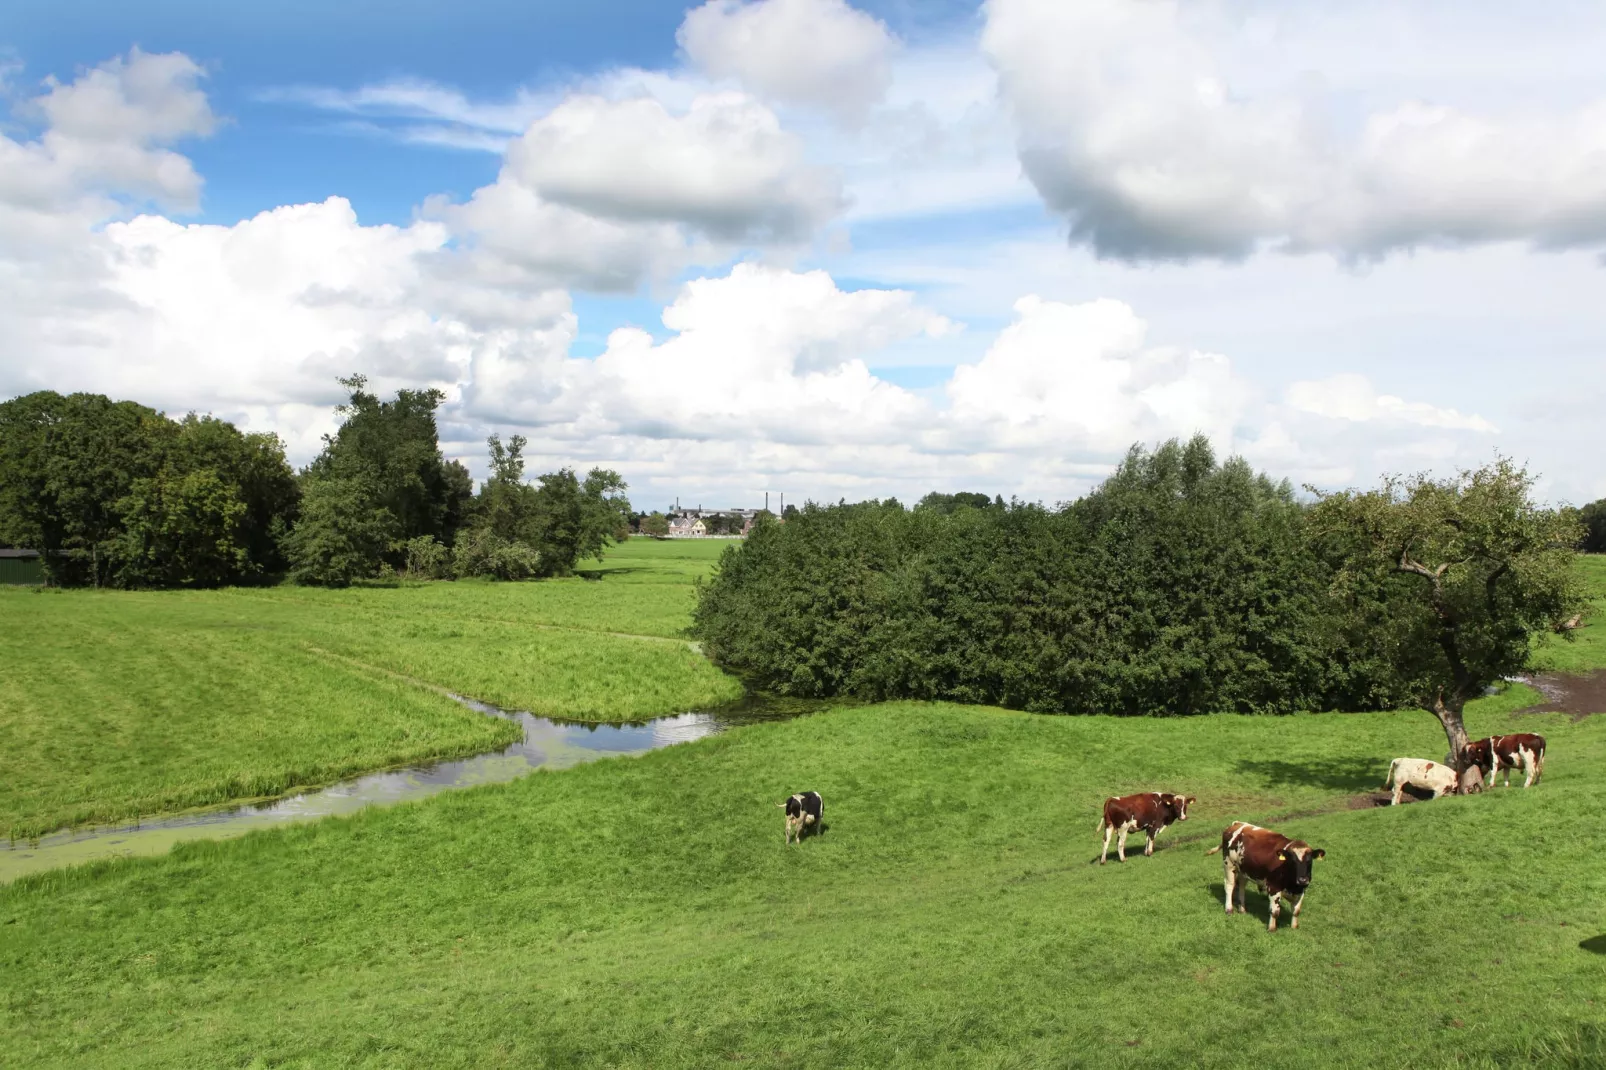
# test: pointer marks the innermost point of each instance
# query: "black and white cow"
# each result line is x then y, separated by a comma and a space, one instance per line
804, 811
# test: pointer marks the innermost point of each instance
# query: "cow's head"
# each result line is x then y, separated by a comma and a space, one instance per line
1298, 856
1179, 805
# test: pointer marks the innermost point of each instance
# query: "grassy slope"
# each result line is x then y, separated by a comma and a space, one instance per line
949, 916
1586, 647
118, 703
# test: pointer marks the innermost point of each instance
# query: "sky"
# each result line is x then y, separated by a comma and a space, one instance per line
822, 249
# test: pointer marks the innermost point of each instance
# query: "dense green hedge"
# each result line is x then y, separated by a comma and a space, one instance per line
1181, 585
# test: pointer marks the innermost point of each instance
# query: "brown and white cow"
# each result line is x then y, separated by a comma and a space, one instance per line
1436, 777
1150, 811
1281, 866
1497, 754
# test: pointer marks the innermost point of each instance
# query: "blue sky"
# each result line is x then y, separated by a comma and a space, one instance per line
838, 250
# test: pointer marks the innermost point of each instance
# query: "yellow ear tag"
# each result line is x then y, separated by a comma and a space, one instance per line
1281, 857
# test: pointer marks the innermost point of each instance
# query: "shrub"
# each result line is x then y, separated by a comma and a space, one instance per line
427, 559
1179, 586
483, 553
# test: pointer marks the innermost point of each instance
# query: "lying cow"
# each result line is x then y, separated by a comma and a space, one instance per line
804, 811
1497, 754
1151, 811
1436, 777
1281, 867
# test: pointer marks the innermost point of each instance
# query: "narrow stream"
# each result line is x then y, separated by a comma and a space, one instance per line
547, 744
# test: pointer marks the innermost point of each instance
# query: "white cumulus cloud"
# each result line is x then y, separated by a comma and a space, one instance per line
821, 53
1137, 126
1081, 375
724, 167
1353, 398
762, 377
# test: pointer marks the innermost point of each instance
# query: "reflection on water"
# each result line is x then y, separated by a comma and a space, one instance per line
547, 744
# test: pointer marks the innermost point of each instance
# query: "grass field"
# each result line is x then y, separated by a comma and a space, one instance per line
948, 917
1587, 647
114, 704
643, 912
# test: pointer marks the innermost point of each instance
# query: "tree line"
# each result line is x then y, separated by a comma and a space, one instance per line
117, 494
1180, 585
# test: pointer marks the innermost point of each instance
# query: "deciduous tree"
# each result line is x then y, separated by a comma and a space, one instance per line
1445, 582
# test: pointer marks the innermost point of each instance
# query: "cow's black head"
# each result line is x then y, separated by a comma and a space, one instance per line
1299, 856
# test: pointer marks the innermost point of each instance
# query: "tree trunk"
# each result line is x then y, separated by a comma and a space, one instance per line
1449, 715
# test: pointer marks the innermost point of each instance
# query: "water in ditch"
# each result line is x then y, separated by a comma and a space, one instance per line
547, 744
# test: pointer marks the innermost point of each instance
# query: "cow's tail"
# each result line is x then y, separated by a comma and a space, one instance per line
1213, 851
1388, 781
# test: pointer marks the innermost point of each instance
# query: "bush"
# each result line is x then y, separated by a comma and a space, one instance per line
483, 553
342, 535
1593, 517
1180, 586
427, 559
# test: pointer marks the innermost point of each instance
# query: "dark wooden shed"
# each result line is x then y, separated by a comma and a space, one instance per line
21, 567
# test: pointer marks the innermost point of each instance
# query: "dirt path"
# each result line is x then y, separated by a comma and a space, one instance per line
1576, 695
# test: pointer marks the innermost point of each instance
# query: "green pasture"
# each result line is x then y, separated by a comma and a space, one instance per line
1586, 649
644, 912
118, 703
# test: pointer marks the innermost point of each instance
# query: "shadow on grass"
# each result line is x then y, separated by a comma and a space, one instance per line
1256, 904
599, 573
1597, 944
1334, 774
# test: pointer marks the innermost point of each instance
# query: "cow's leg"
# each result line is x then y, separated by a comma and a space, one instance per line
1108, 829
1299, 900
1227, 882
1396, 800
1148, 848
1120, 844
1276, 905
1527, 767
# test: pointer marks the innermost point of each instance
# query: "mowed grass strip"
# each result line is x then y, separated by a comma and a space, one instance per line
644, 912
115, 705
642, 587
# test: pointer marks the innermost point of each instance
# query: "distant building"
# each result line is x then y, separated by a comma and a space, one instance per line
700, 522
21, 567
686, 525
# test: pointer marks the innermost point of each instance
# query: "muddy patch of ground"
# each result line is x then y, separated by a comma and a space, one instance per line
1576, 695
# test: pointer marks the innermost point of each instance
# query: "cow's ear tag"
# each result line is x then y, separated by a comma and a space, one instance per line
1281, 857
